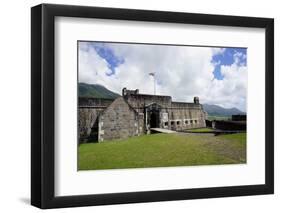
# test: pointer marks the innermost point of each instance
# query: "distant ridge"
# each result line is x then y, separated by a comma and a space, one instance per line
215, 110
96, 91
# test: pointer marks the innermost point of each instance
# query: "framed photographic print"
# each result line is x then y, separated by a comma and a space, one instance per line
139, 106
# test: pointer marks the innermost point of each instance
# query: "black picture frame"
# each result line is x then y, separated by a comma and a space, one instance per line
43, 105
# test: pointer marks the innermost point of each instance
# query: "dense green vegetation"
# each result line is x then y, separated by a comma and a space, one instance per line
160, 150
96, 91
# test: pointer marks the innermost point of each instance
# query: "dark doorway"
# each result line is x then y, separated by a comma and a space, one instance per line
153, 115
93, 137
154, 119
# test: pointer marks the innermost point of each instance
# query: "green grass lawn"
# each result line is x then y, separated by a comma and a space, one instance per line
161, 150
216, 117
201, 130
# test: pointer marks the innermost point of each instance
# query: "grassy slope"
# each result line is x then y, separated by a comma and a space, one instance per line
218, 117
200, 130
159, 150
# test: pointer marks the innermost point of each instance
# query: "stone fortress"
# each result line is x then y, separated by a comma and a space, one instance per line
135, 114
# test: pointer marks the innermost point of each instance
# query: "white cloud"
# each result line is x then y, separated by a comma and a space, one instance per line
181, 72
218, 50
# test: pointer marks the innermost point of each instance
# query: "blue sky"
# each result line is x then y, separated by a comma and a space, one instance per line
227, 58
216, 75
107, 54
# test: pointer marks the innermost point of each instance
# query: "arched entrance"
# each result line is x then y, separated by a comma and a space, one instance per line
153, 115
154, 119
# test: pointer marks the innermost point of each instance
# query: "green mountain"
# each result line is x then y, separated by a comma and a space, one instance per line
215, 110
96, 91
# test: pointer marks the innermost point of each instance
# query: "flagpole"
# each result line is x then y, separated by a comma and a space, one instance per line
153, 75
154, 85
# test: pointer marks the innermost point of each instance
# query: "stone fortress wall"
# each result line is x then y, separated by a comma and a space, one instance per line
88, 111
134, 114
172, 115
119, 121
